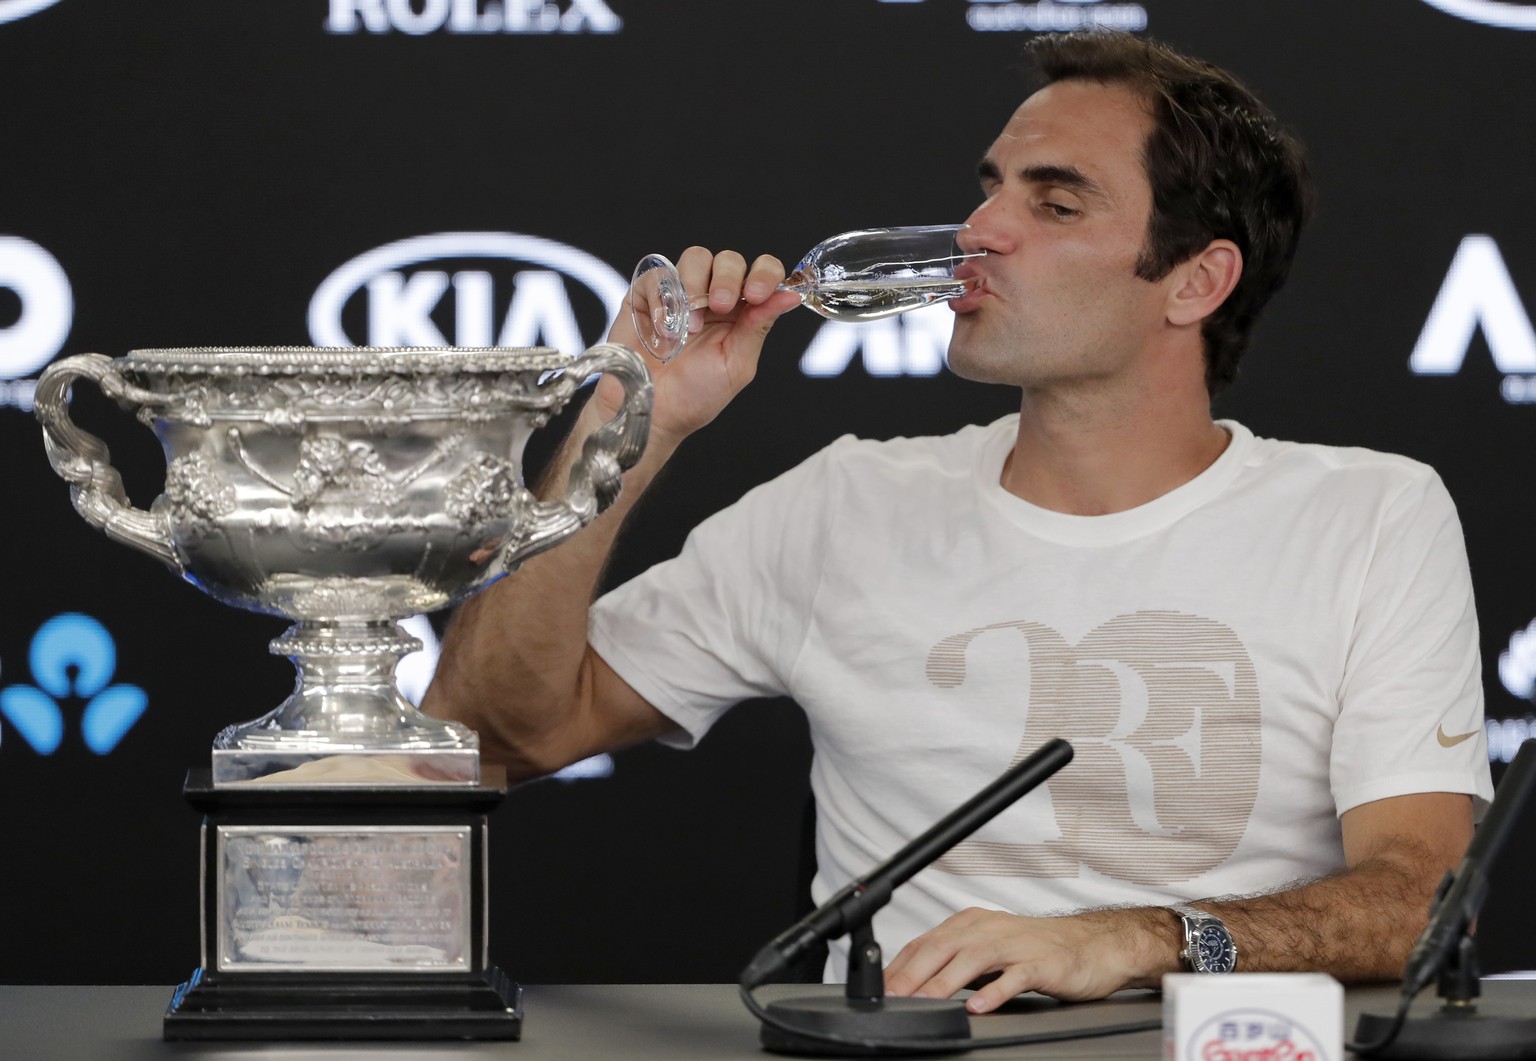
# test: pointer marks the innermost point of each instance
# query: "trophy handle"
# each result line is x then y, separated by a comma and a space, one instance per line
82, 460
607, 453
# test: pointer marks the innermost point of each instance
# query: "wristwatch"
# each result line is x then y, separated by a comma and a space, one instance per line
1208, 946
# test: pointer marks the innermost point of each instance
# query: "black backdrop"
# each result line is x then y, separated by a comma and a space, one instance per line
190, 172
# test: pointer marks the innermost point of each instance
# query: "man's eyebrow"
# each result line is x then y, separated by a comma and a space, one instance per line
1069, 177
1066, 176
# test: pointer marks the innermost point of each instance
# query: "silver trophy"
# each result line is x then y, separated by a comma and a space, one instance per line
345, 489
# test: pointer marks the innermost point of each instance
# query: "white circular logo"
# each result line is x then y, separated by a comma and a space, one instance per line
47, 307
401, 306
11, 10
1502, 13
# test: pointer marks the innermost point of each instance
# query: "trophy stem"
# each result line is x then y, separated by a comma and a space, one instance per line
346, 709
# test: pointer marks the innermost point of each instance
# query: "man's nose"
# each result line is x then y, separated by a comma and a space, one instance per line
984, 231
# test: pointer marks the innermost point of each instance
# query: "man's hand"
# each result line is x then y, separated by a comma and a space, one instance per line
720, 357
1079, 957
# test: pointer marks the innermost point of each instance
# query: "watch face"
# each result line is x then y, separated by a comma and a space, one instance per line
1214, 952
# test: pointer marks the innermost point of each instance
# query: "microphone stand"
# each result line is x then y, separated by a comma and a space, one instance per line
1460, 1027
865, 1021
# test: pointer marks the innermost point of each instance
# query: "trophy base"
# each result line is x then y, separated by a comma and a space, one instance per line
344, 913
485, 1005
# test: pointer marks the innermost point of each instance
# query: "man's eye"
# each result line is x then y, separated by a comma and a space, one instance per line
1058, 211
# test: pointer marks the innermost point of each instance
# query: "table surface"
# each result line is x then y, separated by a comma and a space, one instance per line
675, 1022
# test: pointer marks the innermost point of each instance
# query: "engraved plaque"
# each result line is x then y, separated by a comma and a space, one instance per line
344, 899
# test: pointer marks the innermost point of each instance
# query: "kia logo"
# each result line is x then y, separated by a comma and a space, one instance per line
1499, 13
406, 297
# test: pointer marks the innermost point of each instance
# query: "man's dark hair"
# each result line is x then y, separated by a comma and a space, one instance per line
1220, 166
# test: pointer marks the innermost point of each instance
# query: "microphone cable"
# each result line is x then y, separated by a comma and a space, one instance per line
1387, 1037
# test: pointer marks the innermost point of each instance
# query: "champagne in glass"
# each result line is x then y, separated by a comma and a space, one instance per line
867, 300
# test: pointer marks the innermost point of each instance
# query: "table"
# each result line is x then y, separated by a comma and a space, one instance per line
635, 1022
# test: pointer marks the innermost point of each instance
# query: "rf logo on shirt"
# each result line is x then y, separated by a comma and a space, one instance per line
1162, 709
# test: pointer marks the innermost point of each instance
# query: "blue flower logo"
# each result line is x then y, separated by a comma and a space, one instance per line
72, 655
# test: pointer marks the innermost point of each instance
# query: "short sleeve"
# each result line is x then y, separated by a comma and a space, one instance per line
1411, 702
725, 620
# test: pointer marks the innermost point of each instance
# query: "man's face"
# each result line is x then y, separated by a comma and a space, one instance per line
1063, 223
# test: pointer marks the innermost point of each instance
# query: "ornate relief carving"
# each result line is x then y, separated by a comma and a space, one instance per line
196, 492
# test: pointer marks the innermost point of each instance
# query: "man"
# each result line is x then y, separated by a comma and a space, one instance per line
1265, 654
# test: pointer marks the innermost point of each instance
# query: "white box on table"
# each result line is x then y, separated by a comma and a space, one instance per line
1253, 1017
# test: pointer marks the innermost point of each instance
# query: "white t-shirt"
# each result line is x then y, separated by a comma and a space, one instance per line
1286, 636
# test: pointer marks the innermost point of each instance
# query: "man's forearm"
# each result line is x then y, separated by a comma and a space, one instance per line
515, 665
1358, 925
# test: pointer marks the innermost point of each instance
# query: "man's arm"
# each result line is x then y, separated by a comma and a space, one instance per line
515, 664
1358, 925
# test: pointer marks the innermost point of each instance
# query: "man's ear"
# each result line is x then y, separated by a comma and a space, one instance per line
1205, 281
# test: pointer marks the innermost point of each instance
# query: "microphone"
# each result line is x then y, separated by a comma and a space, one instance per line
1445, 947
866, 1011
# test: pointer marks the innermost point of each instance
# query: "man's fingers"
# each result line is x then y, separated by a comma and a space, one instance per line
1012, 981
941, 962
943, 984
719, 276
694, 265
766, 275
974, 946
915, 964
760, 318
1070, 958
934, 970
726, 278
730, 292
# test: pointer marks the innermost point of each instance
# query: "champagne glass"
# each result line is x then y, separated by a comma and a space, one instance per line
854, 276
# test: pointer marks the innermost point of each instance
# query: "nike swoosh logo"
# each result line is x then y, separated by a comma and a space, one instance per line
1448, 741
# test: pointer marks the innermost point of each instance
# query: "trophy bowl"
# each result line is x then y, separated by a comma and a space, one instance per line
344, 489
